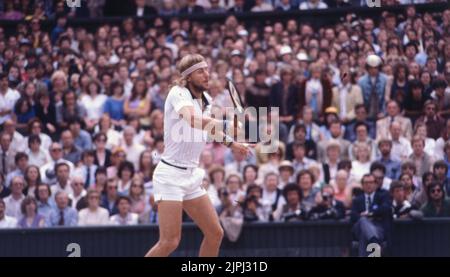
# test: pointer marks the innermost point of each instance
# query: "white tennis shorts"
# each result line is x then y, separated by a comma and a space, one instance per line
175, 184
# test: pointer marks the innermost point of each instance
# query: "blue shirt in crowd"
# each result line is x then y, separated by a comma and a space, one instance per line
114, 108
83, 140
393, 168
45, 209
70, 217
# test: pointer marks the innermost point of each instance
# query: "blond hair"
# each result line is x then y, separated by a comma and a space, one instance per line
186, 62
59, 74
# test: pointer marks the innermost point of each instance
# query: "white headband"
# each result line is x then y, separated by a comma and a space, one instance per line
194, 68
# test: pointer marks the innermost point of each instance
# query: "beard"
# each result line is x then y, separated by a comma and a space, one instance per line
198, 87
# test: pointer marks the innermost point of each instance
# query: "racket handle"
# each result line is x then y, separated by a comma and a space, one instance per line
235, 124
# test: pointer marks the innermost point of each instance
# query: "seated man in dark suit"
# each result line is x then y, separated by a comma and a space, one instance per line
371, 215
108, 199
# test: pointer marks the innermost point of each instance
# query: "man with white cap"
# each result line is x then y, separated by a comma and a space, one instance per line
285, 54
304, 60
373, 85
237, 60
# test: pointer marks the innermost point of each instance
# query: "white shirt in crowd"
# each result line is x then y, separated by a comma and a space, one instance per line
265, 169
401, 149
75, 199
7, 102
305, 163
114, 138
386, 183
83, 172
8, 222
46, 141
359, 169
50, 168
38, 159
133, 152
270, 197
130, 219
127, 87
140, 12
13, 206
139, 137
94, 106
430, 144
343, 92
18, 142
178, 133
57, 188
88, 217
123, 188
311, 6
439, 149
264, 7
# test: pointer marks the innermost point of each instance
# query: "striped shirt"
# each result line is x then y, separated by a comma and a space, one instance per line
182, 143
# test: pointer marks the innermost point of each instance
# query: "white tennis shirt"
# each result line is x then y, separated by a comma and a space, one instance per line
182, 143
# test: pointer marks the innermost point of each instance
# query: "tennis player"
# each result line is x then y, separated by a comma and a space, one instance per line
177, 178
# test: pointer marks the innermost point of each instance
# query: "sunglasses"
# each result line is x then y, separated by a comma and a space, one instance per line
436, 190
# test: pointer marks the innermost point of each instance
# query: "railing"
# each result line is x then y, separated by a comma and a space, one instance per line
428, 237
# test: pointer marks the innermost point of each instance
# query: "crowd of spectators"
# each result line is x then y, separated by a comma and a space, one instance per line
363, 105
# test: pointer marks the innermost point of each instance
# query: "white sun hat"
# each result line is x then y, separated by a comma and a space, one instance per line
373, 61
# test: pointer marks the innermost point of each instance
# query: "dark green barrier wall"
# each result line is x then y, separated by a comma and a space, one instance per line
411, 238
317, 18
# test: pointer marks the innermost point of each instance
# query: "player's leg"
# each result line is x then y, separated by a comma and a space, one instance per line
205, 216
169, 215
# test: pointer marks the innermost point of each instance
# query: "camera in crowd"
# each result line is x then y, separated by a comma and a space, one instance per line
328, 208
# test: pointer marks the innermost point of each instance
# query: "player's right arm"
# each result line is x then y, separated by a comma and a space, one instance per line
183, 105
199, 121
